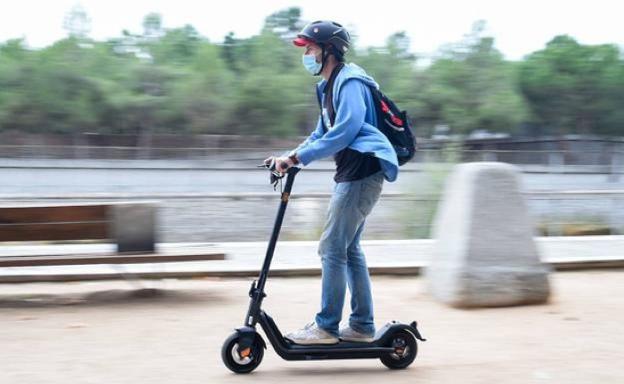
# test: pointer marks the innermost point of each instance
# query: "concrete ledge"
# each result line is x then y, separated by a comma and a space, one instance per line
411, 270
244, 259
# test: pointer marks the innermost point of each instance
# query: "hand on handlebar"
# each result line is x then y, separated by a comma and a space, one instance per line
283, 163
279, 166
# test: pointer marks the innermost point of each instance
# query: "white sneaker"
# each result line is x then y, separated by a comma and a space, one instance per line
350, 334
311, 334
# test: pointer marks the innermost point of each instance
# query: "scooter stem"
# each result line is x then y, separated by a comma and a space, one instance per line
277, 227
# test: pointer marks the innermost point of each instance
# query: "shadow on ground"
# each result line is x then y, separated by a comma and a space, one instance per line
117, 297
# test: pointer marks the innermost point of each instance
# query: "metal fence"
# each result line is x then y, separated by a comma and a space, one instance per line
610, 161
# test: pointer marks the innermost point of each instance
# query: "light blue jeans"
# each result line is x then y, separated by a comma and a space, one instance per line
342, 259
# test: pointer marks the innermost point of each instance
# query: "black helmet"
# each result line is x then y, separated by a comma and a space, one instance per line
330, 36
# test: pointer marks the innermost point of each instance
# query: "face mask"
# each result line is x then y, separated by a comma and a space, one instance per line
310, 64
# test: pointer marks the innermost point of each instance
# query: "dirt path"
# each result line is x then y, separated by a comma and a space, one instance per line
107, 333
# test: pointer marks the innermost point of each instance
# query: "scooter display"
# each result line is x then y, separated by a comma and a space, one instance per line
395, 344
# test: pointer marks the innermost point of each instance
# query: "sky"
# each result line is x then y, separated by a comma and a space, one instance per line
519, 27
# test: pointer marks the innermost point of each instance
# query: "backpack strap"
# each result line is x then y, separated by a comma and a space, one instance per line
320, 104
329, 97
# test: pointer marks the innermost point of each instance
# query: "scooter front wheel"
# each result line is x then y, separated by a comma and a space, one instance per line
243, 361
405, 350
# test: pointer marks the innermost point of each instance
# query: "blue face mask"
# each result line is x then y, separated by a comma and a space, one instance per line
310, 64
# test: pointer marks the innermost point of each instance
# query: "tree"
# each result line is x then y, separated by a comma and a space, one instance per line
575, 88
230, 51
174, 80
285, 23
51, 91
272, 93
470, 87
77, 23
176, 46
202, 98
152, 26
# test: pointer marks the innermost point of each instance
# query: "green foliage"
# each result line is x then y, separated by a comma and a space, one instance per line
574, 88
470, 87
285, 23
174, 80
427, 188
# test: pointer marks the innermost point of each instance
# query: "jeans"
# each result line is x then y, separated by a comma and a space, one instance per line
343, 262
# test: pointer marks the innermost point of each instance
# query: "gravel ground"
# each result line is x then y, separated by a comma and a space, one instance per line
172, 331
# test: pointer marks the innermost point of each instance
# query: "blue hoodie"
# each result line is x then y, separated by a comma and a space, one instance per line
354, 126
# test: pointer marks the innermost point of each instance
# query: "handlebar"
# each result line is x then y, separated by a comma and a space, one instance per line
273, 168
276, 175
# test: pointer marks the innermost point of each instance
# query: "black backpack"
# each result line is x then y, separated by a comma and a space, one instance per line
391, 121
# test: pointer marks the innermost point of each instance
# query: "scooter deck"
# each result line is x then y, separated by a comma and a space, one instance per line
339, 345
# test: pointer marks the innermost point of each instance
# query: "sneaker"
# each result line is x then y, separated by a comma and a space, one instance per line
350, 334
311, 334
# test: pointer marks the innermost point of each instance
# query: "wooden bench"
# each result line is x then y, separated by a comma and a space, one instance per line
131, 225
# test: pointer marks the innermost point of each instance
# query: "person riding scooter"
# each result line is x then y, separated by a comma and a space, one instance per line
364, 158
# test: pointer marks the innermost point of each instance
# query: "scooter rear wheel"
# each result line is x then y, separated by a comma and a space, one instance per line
244, 361
405, 350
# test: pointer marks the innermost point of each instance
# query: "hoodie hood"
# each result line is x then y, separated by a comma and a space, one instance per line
348, 72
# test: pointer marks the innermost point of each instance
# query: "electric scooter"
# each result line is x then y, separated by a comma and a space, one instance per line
394, 344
